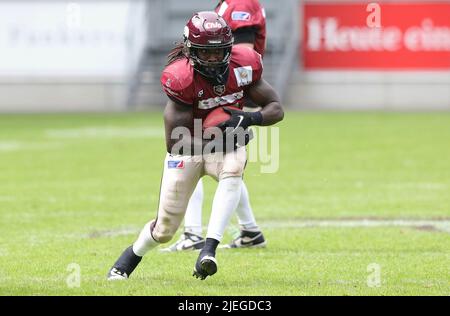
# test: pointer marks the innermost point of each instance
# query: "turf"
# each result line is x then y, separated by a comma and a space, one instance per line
77, 189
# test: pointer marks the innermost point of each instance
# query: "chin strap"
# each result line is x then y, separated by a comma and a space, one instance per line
216, 79
220, 79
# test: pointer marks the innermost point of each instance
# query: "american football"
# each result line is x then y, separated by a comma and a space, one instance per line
217, 116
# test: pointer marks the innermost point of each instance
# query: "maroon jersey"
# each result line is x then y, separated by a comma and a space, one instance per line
248, 13
184, 85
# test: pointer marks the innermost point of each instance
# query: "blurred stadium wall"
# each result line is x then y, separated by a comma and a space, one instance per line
106, 55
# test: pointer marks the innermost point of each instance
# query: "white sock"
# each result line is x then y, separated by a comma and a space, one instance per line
193, 217
225, 202
244, 211
145, 241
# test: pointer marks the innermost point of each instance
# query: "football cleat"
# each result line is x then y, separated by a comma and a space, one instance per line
205, 266
115, 274
124, 266
187, 241
247, 239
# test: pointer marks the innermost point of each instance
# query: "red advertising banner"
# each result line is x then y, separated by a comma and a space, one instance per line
410, 36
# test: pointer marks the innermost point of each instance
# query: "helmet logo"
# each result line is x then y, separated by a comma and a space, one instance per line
212, 25
219, 90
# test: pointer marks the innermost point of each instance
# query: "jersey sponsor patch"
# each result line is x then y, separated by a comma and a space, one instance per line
175, 164
223, 100
240, 16
243, 75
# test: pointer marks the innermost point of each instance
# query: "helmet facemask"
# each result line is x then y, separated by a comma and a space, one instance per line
215, 71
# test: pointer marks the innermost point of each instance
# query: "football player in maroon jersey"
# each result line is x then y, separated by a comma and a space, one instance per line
247, 20
248, 23
203, 73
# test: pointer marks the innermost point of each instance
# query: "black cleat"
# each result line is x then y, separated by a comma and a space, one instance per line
205, 266
115, 274
124, 266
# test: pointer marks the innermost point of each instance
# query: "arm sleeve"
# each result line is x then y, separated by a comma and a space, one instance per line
245, 35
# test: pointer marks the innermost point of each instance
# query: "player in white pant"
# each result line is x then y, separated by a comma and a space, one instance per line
250, 31
204, 73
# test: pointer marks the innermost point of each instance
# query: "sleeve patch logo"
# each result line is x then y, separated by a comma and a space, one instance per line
244, 75
240, 16
175, 164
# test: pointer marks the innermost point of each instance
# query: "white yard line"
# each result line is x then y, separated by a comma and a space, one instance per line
4, 252
338, 223
431, 225
105, 132
7, 198
11, 145
441, 225
112, 233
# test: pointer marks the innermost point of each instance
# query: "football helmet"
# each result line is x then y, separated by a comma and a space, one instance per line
208, 41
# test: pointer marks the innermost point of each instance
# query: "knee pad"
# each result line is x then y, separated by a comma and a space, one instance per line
163, 232
233, 164
229, 170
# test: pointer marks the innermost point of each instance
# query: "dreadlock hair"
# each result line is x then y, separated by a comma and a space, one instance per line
178, 52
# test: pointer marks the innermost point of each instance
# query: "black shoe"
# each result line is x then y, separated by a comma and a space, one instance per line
115, 274
124, 266
206, 265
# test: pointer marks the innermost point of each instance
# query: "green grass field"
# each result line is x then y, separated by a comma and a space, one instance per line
76, 189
